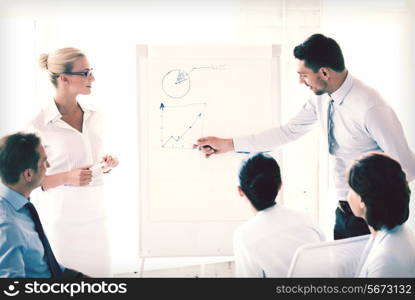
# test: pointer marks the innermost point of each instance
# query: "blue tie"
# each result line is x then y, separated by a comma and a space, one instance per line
330, 125
54, 267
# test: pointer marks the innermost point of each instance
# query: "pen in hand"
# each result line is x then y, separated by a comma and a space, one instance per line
213, 145
207, 147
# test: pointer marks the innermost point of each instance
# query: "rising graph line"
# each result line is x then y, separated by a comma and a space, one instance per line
177, 139
180, 137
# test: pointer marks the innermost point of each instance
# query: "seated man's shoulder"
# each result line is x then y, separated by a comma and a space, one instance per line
7, 223
297, 216
7, 211
10, 235
4, 210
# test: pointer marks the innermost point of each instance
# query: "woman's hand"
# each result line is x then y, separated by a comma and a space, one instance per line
79, 177
110, 162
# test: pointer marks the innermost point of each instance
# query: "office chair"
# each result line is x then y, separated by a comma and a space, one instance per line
339, 258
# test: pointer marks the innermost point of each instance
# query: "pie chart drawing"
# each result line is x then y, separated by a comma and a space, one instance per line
176, 83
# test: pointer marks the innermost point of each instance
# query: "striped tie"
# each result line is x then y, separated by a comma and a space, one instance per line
330, 125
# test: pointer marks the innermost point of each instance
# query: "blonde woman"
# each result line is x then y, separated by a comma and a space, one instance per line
72, 206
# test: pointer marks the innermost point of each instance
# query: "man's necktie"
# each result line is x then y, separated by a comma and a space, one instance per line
330, 125
50, 258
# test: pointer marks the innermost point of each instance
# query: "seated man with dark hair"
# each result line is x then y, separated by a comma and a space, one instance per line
24, 247
265, 245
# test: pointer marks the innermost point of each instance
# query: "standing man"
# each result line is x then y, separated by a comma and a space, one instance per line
353, 117
24, 248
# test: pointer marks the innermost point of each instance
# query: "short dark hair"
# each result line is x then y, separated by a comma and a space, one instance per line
18, 152
320, 51
260, 180
381, 183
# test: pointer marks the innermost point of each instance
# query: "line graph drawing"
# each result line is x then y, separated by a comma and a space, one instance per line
181, 125
176, 83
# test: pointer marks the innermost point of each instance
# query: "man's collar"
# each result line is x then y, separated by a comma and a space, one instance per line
15, 199
341, 93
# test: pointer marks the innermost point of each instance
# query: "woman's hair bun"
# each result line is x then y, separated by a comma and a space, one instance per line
43, 61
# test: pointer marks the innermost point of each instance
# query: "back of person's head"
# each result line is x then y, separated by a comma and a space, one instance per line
18, 152
381, 183
320, 51
58, 62
260, 180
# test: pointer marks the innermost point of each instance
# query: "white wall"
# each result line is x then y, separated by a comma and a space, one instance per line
17, 60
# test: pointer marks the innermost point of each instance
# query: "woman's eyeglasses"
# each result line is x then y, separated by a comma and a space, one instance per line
87, 73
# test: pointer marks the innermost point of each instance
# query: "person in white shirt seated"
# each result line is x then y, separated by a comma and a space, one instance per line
380, 194
265, 244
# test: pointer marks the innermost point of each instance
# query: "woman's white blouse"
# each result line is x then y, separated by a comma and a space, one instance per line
67, 148
390, 254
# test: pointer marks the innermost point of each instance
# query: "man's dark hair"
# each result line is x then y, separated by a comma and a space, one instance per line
18, 152
320, 51
381, 183
260, 180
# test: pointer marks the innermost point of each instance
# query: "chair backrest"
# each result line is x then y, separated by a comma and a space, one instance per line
339, 258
